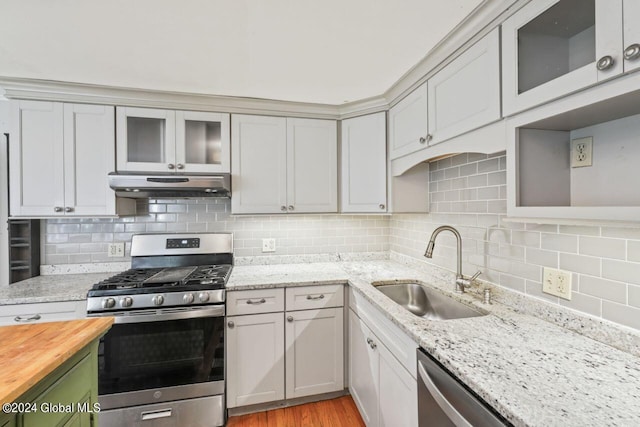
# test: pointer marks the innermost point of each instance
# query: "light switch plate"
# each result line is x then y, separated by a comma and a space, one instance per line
557, 282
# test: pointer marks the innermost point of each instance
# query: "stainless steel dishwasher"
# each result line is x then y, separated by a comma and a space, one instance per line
443, 401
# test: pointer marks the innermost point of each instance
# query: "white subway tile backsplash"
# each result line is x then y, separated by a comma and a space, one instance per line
623, 271
580, 264
602, 247
605, 289
633, 250
559, 242
622, 314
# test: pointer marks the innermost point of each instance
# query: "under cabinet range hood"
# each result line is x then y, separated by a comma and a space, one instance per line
173, 186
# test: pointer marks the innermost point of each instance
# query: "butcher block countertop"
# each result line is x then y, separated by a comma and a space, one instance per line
31, 352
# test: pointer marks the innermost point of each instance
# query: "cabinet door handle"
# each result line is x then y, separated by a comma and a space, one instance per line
632, 52
290, 319
381, 206
57, 209
605, 62
171, 166
27, 319
180, 166
321, 296
423, 140
290, 207
230, 324
68, 209
260, 301
283, 208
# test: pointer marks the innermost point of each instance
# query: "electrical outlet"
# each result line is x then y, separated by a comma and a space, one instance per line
115, 250
268, 245
582, 152
557, 282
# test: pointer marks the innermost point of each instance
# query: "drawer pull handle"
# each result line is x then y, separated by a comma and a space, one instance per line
260, 301
152, 415
290, 319
27, 319
231, 324
309, 297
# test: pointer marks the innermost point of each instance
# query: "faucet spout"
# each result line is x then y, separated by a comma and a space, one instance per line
461, 281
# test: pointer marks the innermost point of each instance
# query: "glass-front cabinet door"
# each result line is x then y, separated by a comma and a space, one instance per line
154, 140
202, 142
554, 47
145, 139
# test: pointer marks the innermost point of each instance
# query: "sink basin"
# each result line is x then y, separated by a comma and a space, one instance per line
427, 303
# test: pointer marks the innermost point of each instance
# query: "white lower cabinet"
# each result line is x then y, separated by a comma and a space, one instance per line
255, 362
17, 314
383, 390
284, 355
314, 355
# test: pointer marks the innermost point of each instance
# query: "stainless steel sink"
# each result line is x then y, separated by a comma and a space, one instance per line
427, 303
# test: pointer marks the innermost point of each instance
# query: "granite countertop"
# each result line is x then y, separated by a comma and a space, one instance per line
534, 372
53, 288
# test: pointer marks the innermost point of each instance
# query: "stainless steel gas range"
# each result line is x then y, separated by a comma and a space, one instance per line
162, 362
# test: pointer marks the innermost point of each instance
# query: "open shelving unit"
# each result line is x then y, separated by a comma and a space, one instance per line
24, 249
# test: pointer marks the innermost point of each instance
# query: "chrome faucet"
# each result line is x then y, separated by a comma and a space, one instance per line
461, 281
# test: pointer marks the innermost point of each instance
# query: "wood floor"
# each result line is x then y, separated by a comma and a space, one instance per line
340, 412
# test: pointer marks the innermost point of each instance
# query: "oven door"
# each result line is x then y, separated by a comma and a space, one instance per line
154, 356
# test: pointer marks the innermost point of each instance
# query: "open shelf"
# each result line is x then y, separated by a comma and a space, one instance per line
24, 249
544, 183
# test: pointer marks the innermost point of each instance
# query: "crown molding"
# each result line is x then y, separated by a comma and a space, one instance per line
50, 90
483, 19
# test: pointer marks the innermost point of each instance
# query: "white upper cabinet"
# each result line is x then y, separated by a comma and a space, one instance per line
408, 124
283, 165
465, 94
60, 157
554, 47
312, 165
151, 140
364, 164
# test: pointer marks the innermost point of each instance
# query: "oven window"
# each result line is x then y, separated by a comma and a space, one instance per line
139, 356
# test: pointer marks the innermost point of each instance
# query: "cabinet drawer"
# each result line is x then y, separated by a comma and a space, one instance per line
314, 297
255, 301
17, 314
397, 341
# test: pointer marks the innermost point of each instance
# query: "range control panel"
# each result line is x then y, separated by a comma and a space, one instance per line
183, 243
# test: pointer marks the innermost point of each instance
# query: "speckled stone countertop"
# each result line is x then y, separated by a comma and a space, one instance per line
54, 288
532, 371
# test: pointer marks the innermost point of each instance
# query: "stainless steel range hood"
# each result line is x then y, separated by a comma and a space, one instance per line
170, 185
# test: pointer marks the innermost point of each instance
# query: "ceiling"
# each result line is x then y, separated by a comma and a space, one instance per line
320, 51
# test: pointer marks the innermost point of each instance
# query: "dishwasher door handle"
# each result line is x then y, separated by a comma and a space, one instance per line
442, 401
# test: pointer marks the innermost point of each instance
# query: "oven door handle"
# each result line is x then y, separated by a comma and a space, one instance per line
154, 316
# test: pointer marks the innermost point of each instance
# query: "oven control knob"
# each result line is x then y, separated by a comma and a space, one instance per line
126, 302
188, 298
204, 296
108, 303
158, 300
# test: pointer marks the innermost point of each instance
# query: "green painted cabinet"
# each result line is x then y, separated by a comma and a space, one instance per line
66, 397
